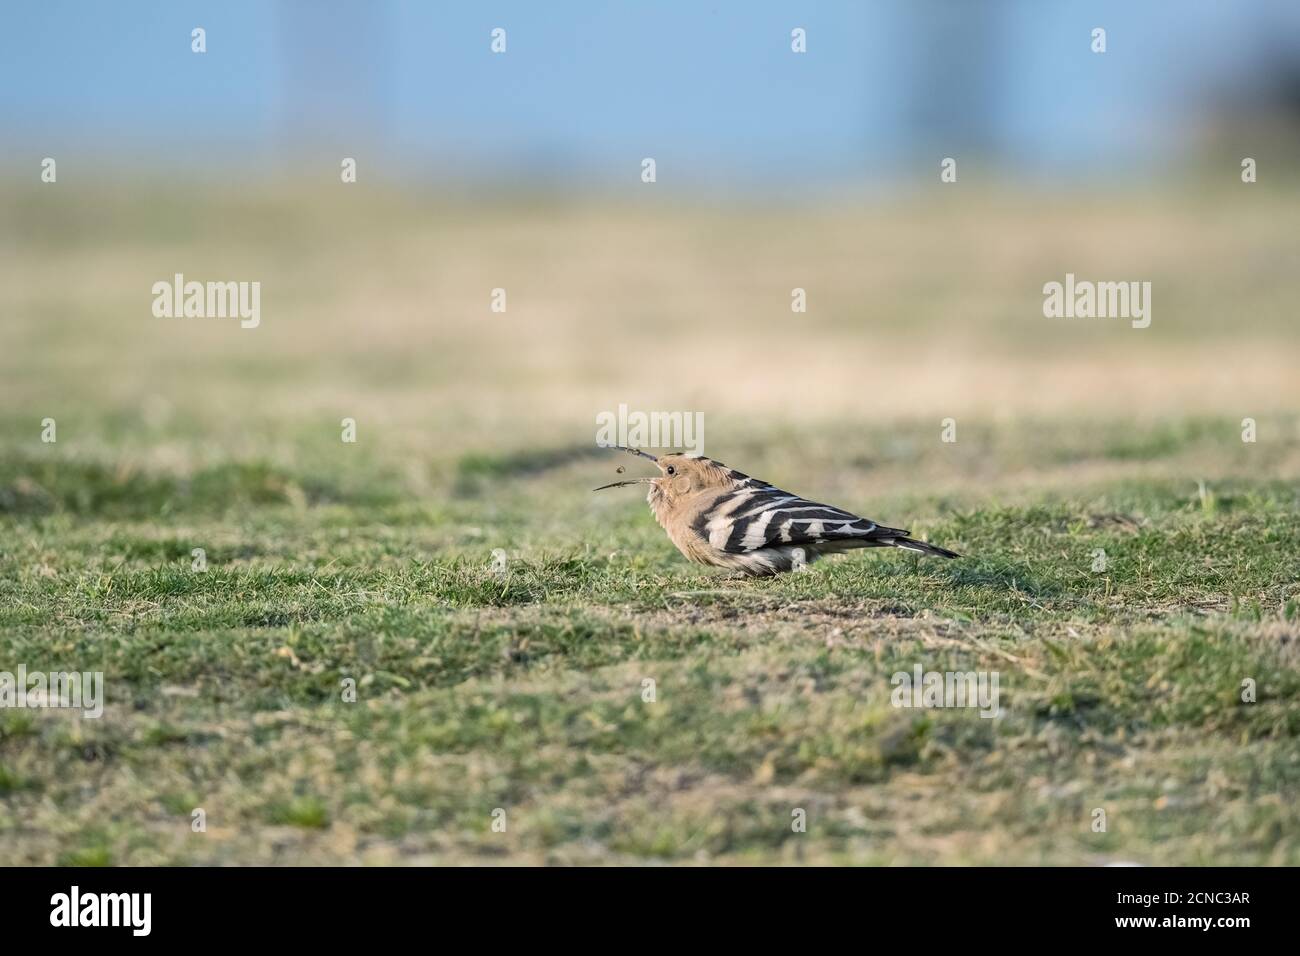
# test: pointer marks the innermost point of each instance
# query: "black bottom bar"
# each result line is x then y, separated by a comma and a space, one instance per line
331, 906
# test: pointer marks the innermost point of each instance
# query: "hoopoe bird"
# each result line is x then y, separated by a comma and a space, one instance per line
718, 516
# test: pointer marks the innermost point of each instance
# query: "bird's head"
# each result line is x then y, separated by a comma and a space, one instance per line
680, 476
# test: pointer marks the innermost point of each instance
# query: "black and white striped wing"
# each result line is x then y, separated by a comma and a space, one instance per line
760, 516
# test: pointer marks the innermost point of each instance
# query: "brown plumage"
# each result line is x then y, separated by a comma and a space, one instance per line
718, 516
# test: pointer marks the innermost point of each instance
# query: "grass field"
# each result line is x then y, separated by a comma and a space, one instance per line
479, 689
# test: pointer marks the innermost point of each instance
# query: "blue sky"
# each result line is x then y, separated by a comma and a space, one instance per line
711, 90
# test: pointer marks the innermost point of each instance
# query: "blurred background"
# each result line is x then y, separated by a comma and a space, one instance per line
522, 171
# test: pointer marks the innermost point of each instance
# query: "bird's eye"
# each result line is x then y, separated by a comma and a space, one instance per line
672, 470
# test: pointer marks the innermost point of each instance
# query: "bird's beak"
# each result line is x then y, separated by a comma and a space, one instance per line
620, 484
630, 481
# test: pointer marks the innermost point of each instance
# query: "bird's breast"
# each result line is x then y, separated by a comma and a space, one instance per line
686, 530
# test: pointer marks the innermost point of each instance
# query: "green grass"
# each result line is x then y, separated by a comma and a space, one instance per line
369, 566
478, 690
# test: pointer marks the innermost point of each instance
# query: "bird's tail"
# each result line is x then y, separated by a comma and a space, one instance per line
898, 538
923, 548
